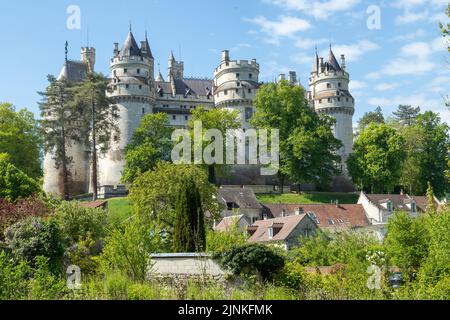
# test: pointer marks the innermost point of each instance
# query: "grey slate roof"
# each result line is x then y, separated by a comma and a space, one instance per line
74, 71
146, 50
241, 198
130, 47
194, 87
332, 62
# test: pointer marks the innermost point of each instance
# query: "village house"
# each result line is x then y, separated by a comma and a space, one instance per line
380, 207
328, 217
284, 232
228, 223
239, 202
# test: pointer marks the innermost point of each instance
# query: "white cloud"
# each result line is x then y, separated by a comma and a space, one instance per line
309, 43
408, 3
413, 59
285, 26
410, 36
440, 44
386, 86
354, 51
302, 58
423, 101
356, 85
317, 9
411, 17
440, 85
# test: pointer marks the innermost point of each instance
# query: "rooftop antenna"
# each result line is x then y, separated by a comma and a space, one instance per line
179, 48
130, 25
66, 49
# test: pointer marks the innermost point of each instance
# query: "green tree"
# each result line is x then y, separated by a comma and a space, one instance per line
155, 192
406, 242
308, 149
220, 119
431, 204
60, 126
406, 114
15, 184
433, 157
371, 117
411, 167
219, 241
377, 157
34, 237
251, 260
99, 116
127, 248
189, 227
20, 138
151, 142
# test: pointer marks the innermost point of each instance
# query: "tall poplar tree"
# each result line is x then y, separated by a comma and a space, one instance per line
59, 126
100, 116
189, 228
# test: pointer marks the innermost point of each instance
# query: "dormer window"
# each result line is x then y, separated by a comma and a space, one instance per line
270, 232
389, 206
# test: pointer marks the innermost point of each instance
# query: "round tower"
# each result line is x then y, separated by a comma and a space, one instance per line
132, 88
236, 85
329, 94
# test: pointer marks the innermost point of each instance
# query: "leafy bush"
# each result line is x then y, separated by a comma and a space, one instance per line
252, 259
217, 241
128, 249
155, 193
33, 237
11, 213
77, 222
15, 184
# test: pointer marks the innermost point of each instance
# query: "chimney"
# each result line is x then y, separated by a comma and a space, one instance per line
292, 77
283, 213
343, 62
281, 77
116, 49
225, 56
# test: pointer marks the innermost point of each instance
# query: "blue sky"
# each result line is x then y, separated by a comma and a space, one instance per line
404, 61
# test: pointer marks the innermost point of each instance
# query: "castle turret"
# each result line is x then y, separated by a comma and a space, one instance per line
329, 94
72, 71
132, 84
176, 69
236, 84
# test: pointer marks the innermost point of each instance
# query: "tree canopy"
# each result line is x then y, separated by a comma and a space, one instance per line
308, 149
20, 138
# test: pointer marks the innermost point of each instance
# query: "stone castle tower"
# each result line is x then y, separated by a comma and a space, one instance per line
329, 94
74, 71
235, 86
133, 90
136, 92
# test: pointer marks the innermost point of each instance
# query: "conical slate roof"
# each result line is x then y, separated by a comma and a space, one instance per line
333, 62
146, 48
130, 47
159, 78
315, 67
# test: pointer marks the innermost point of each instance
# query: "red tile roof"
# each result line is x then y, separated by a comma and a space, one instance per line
95, 204
328, 216
285, 224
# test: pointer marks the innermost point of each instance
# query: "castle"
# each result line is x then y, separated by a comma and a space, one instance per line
137, 92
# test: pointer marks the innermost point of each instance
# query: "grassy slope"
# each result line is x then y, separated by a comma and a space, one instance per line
306, 198
119, 209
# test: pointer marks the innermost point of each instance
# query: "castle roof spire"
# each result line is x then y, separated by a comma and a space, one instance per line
145, 47
315, 67
130, 47
332, 61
